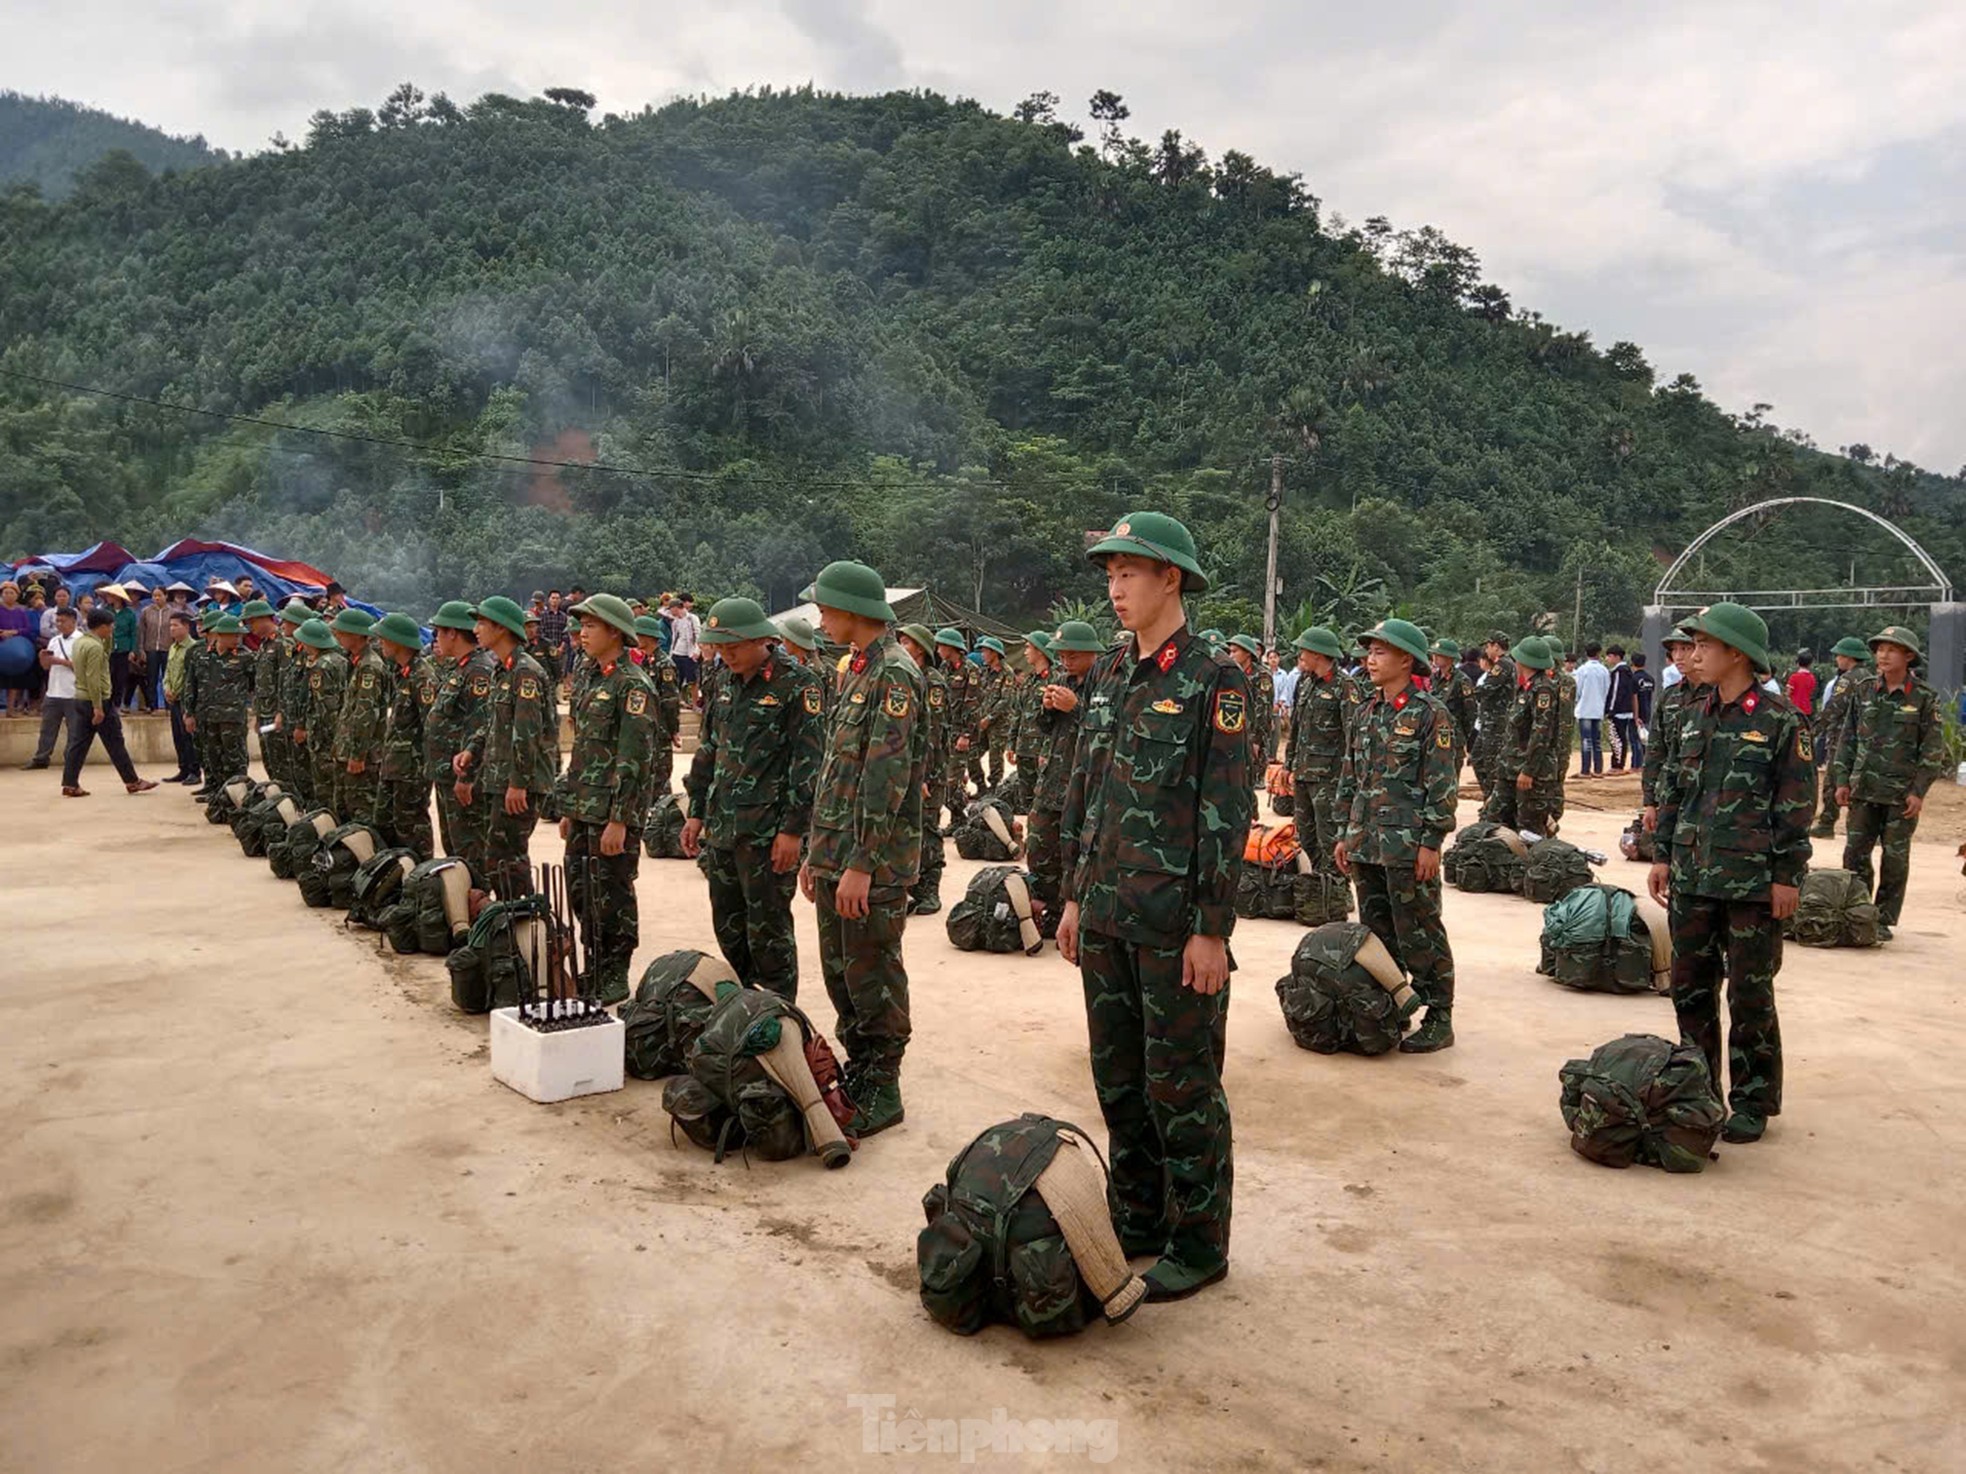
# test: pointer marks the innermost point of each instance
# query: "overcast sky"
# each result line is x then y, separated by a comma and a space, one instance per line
1769, 195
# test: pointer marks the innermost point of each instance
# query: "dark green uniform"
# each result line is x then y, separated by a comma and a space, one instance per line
667, 713
1156, 815
1893, 748
1536, 747
218, 691
1668, 711
986, 746
519, 747
293, 716
1457, 693
935, 703
402, 809
1052, 749
270, 663
1314, 752
358, 736
456, 717
963, 682
1835, 715
327, 685
751, 780
1494, 706
1262, 718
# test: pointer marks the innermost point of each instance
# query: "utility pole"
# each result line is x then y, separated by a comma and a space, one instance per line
1577, 615
1270, 579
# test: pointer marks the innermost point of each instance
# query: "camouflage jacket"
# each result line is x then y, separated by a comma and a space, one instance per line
1457, 693
364, 709
1024, 703
964, 688
458, 711
935, 700
823, 678
412, 694
1160, 799
1736, 799
607, 774
1495, 700
1894, 742
992, 689
519, 744
867, 807
1320, 716
1567, 715
1054, 745
1401, 776
1661, 742
1537, 728
757, 757
270, 664
219, 687
293, 688
327, 685
1832, 714
668, 707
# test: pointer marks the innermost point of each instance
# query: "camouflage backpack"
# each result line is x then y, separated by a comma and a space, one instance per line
332, 867
1834, 910
229, 797
671, 1004
493, 967
292, 854
989, 831
1635, 843
997, 913
728, 1100
1485, 858
1344, 992
1596, 940
432, 912
1316, 898
274, 818
994, 1249
663, 839
377, 884
244, 821
1554, 869
1640, 1099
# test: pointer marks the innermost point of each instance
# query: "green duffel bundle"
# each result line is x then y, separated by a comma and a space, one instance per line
271, 810
432, 912
1317, 898
1637, 843
1345, 992
1485, 858
752, 1083
500, 956
342, 852
377, 885
1554, 869
234, 794
1601, 939
1267, 892
248, 816
1834, 910
663, 838
672, 1003
997, 913
1019, 1232
1640, 1099
1013, 793
291, 855
989, 831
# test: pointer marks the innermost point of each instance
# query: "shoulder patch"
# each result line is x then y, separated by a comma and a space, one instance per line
528, 688
669, 675
935, 697
314, 680
1543, 701
1802, 749
637, 702
1443, 738
895, 702
1231, 712
815, 702
368, 679
481, 685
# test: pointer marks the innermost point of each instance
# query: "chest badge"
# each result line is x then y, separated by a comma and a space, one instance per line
1167, 706
1759, 738
858, 698
767, 700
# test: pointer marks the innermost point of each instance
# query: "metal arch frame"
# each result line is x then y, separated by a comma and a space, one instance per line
1939, 592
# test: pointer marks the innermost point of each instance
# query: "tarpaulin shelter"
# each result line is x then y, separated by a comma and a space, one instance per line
190, 561
925, 606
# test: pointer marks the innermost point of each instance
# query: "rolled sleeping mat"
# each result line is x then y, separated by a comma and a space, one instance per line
273, 791
1074, 1189
289, 812
708, 973
529, 937
1019, 894
1375, 959
325, 824
1518, 846
361, 844
994, 821
1658, 929
785, 1062
455, 880
237, 789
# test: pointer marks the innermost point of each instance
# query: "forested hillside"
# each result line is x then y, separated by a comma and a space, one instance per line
48, 142
798, 326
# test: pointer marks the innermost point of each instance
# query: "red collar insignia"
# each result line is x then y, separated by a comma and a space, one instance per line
608, 669
1399, 701
403, 669
510, 658
1168, 655
1750, 702
859, 663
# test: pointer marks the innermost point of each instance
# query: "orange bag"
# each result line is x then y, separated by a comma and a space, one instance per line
1275, 779
1271, 844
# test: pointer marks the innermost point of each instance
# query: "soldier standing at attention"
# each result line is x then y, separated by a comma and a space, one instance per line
986, 753
1022, 703
1494, 706
1155, 819
1454, 690
1248, 656
287, 696
750, 793
456, 716
1314, 748
259, 618
802, 644
668, 708
953, 650
320, 711
1527, 793
1396, 803
1668, 707
1893, 750
200, 652
364, 716
866, 837
402, 809
218, 696
925, 899
515, 756
1053, 749
602, 797
1734, 809
1851, 655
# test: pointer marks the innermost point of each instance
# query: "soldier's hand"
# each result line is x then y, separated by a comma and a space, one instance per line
1061, 698
614, 836
566, 830
850, 895
807, 887
1205, 964
691, 839
1842, 794
516, 800
1913, 804
1426, 866
1524, 782
677, 742
1658, 881
279, 723
191, 724
1782, 899
1343, 857
357, 765
462, 793
962, 744
1650, 818
1068, 933
784, 854
461, 764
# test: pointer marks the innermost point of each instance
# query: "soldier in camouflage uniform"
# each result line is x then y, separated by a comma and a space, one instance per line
1494, 706
516, 756
1893, 750
544, 652
218, 690
925, 898
364, 718
1668, 707
1453, 690
1314, 749
802, 644
602, 797
1852, 659
1734, 807
1566, 688
1528, 776
1396, 804
1248, 656
291, 700
992, 690
750, 793
1023, 702
259, 619
199, 653
319, 711
1155, 818
866, 837
402, 808
1052, 747
668, 708
963, 681
457, 715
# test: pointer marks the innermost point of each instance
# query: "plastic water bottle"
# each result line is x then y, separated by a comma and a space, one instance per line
1960, 776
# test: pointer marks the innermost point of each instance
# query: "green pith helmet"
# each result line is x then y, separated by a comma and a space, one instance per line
732, 620
315, 632
1556, 648
258, 609
1039, 640
922, 635
1679, 636
610, 609
1249, 643
225, 624
1153, 535
454, 614
649, 625
1737, 626
399, 629
296, 614
853, 588
353, 621
1076, 634
1497, 637
952, 637
1450, 648
1401, 634
1534, 652
1851, 646
502, 612
1320, 641
1215, 638
1897, 634
991, 642
798, 631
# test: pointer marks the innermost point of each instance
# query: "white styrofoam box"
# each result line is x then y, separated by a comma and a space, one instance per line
550, 1067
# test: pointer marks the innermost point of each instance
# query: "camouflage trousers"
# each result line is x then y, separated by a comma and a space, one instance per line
276, 756
1825, 824
866, 979
224, 755
1262, 742
1866, 824
1157, 1052
1741, 941
508, 843
602, 890
662, 767
402, 815
1404, 913
1486, 756
323, 770
1537, 810
933, 860
1314, 809
354, 794
1044, 855
461, 830
751, 911
955, 786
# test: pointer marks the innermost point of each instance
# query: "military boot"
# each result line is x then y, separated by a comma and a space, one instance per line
1436, 1031
1742, 1127
1823, 831
877, 1104
1171, 1280
927, 899
612, 982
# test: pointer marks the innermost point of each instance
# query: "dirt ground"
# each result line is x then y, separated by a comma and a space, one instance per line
262, 1207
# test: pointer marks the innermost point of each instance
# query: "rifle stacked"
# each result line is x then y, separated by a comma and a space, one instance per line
562, 995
